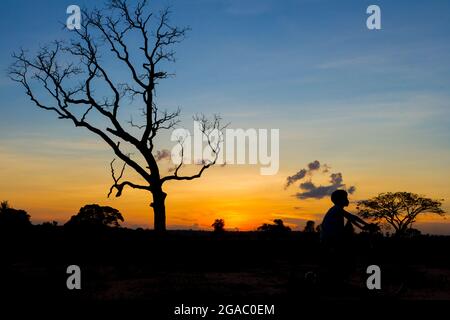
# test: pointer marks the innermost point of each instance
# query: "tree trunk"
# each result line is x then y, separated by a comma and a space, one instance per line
159, 209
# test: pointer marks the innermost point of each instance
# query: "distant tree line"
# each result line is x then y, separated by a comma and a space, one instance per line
89, 216
397, 211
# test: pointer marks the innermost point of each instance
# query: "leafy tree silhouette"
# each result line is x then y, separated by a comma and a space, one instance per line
94, 215
13, 219
398, 209
72, 81
219, 225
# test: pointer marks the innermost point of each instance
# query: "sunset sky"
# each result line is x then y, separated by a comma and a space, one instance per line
373, 105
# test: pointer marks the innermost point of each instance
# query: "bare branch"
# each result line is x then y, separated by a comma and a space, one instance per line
120, 185
210, 129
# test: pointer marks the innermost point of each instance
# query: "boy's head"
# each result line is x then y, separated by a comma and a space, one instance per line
340, 198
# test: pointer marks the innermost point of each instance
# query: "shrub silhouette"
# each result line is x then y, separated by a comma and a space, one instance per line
94, 215
319, 228
49, 224
412, 233
277, 227
13, 218
310, 227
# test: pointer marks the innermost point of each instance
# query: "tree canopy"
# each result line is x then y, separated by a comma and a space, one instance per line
398, 209
13, 218
94, 215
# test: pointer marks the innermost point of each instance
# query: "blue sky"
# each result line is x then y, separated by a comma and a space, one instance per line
359, 99
278, 63
277, 52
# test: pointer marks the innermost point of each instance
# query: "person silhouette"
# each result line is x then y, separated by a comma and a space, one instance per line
335, 236
333, 228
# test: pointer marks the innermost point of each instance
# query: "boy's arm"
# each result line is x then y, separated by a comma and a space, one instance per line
360, 223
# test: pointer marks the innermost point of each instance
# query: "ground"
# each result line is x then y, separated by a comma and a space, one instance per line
202, 267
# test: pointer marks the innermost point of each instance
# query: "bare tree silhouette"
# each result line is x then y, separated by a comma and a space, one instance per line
66, 78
